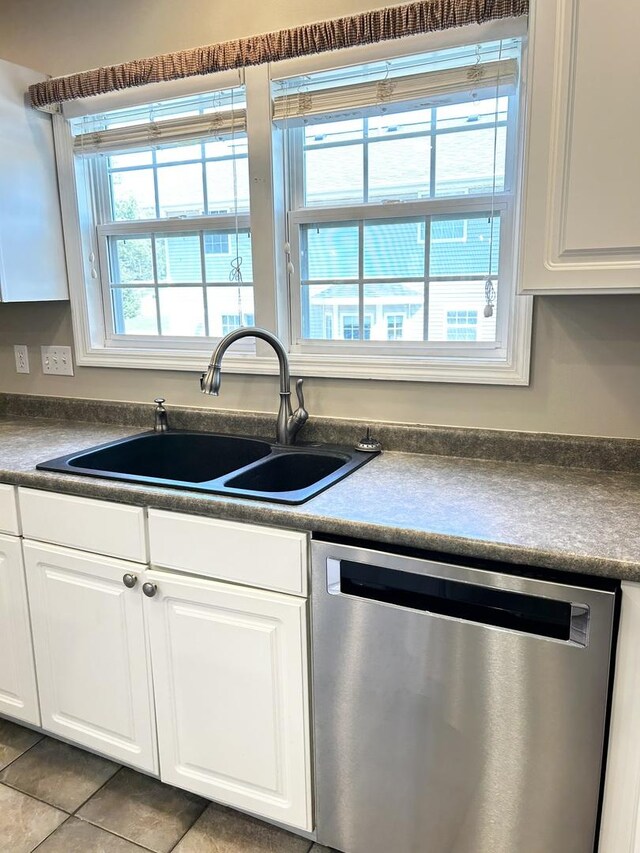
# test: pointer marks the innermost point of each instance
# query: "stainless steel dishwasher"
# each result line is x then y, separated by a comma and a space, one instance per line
456, 709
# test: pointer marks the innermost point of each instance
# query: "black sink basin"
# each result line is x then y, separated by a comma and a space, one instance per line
188, 457
219, 464
288, 472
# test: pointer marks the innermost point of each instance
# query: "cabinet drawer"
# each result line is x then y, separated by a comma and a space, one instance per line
9, 510
228, 550
98, 526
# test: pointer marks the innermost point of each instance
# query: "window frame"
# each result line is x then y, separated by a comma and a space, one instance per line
267, 184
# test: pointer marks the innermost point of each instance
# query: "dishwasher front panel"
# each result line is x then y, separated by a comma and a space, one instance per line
456, 710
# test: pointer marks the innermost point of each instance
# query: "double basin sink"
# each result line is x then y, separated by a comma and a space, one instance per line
219, 464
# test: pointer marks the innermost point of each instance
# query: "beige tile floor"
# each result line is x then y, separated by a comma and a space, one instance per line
55, 798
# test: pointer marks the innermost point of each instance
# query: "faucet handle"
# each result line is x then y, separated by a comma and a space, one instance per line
299, 418
161, 423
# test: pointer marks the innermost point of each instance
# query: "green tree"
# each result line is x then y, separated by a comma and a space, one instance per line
135, 258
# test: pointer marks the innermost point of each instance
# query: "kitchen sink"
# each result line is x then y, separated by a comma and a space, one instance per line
189, 457
239, 466
288, 472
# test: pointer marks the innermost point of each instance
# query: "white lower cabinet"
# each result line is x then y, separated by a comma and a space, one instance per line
230, 678
18, 691
92, 661
221, 668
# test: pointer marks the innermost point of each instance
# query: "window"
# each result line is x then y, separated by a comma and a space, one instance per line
351, 328
216, 244
394, 326
402, 208
444, 231
231, 322
390, 182
428, 157
462, 325
173, 260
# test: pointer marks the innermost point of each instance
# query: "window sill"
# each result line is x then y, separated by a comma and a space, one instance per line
513, 370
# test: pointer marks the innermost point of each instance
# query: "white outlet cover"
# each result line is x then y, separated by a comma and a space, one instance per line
57, 361
22, 358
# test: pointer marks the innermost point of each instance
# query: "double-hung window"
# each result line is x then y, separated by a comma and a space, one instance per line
402, 203
168, 188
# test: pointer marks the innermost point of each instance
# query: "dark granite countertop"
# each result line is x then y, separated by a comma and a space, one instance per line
571, 519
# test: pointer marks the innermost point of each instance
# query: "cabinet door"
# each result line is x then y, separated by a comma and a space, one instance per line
230, 676
581, 228
18, 691
91, 655
32, 260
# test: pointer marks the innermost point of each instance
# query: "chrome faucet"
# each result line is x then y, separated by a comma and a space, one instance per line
289, 423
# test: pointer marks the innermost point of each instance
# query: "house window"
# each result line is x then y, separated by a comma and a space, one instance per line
462, 325
444, 231
231, 322
351, 330
395, 323
216, 244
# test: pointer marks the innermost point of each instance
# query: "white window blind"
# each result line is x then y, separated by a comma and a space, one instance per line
406, 93
167, 132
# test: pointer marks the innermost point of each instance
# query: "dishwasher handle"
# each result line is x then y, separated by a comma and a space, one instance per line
540, 616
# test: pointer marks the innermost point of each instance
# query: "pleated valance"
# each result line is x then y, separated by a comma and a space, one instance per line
365, 28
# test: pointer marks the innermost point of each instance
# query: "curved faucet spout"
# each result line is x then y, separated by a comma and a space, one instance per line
289, 422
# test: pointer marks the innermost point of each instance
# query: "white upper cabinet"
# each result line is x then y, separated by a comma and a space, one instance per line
581, 224
32, 261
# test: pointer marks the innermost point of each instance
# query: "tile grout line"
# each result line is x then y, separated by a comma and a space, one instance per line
40, 843
106, 782
45, 802
97, 825
207, 804
115, 834
28, 749
37, 799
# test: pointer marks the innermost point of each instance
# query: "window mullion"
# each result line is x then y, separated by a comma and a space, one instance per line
427, 271
154, 170
205, 297
154, 264
267, 209
205, 191
365, 160
432, 153
361, 278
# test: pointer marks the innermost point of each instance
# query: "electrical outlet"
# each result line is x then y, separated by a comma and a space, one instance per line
57, 360
22, 358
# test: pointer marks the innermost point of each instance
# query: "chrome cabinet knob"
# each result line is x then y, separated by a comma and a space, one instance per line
149, 589
129, 580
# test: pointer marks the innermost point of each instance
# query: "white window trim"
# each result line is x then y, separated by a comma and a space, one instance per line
509, 367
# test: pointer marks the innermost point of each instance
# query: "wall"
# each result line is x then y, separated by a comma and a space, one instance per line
586, 350
73, 35
586, 364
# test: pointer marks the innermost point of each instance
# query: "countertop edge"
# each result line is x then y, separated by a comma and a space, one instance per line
232, 509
